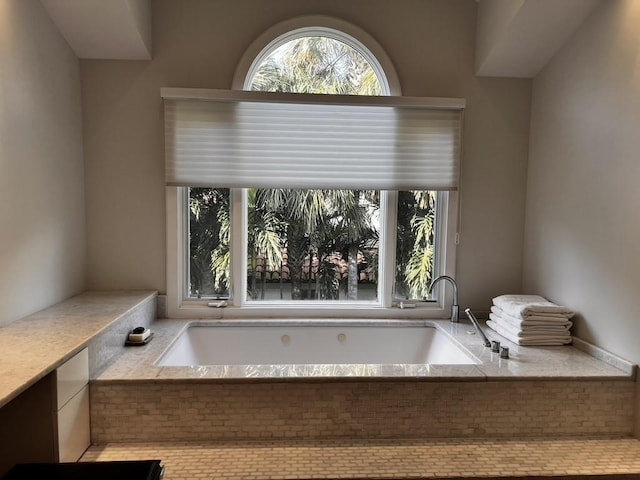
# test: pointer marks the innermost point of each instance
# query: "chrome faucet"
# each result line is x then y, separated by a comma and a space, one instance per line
454, 307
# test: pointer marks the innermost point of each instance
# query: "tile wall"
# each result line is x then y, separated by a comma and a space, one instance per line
110, 343
259, 410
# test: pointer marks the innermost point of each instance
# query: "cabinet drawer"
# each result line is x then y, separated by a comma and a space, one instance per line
72, 376
74, 433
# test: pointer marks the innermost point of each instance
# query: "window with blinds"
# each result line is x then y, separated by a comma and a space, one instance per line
313, 188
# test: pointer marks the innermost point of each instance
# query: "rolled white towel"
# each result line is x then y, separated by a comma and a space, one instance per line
528, 305
535, 330
533, 320
530, 340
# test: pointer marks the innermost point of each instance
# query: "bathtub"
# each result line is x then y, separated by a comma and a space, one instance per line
313, 343
191, 399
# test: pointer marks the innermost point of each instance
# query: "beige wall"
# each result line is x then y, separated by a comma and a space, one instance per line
42, 241
199, 44
582, 241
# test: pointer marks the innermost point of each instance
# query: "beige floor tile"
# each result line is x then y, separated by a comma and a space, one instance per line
379, 459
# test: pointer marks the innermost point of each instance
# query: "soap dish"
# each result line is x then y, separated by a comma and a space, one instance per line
130, 343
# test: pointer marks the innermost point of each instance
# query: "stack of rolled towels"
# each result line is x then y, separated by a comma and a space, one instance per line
530, 320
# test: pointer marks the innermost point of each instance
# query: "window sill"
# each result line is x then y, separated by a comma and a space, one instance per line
421, 311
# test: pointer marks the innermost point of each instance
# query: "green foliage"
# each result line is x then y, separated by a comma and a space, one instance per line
415, 243
316, 65
209, 236
264, 232
316, 224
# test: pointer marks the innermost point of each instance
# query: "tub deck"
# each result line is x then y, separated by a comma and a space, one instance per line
525, 363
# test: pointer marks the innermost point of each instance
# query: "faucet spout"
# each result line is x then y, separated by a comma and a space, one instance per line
454, 306
476, 324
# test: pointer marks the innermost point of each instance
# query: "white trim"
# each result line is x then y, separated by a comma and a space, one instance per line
220, 95
174, 251
196, 310
238, 246
387, 249
445, 243
179, 306
322, 25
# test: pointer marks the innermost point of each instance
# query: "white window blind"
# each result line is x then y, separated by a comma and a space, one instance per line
240, 139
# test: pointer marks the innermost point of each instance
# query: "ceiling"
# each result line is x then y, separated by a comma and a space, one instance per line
515, 38
104, 29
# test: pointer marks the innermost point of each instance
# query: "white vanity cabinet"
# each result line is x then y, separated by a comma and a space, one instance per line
72, 416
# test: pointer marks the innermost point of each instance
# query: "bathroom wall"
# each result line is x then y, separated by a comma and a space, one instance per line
199, 44
303, 411
582, 237
42, 238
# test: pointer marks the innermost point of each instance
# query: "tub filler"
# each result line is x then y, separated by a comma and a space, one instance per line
313, 344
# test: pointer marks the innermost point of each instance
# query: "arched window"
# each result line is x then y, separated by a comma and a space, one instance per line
317, 62
335, 231
334, 32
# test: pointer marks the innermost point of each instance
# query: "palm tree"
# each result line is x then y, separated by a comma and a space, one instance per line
355, 233
208, 239
316, 65
415, 243
264, 239
320, 223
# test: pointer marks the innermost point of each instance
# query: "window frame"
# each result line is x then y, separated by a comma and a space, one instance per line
179, 305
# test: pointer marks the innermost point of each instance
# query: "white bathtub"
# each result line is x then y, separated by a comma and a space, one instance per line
312, 344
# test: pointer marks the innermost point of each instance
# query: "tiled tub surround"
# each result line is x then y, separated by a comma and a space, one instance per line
538, 392
108, 345
366, 410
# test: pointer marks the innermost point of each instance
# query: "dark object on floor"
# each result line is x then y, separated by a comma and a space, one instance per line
120, 470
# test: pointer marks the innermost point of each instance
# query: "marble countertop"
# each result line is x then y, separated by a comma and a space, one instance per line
34, 346
525, 363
